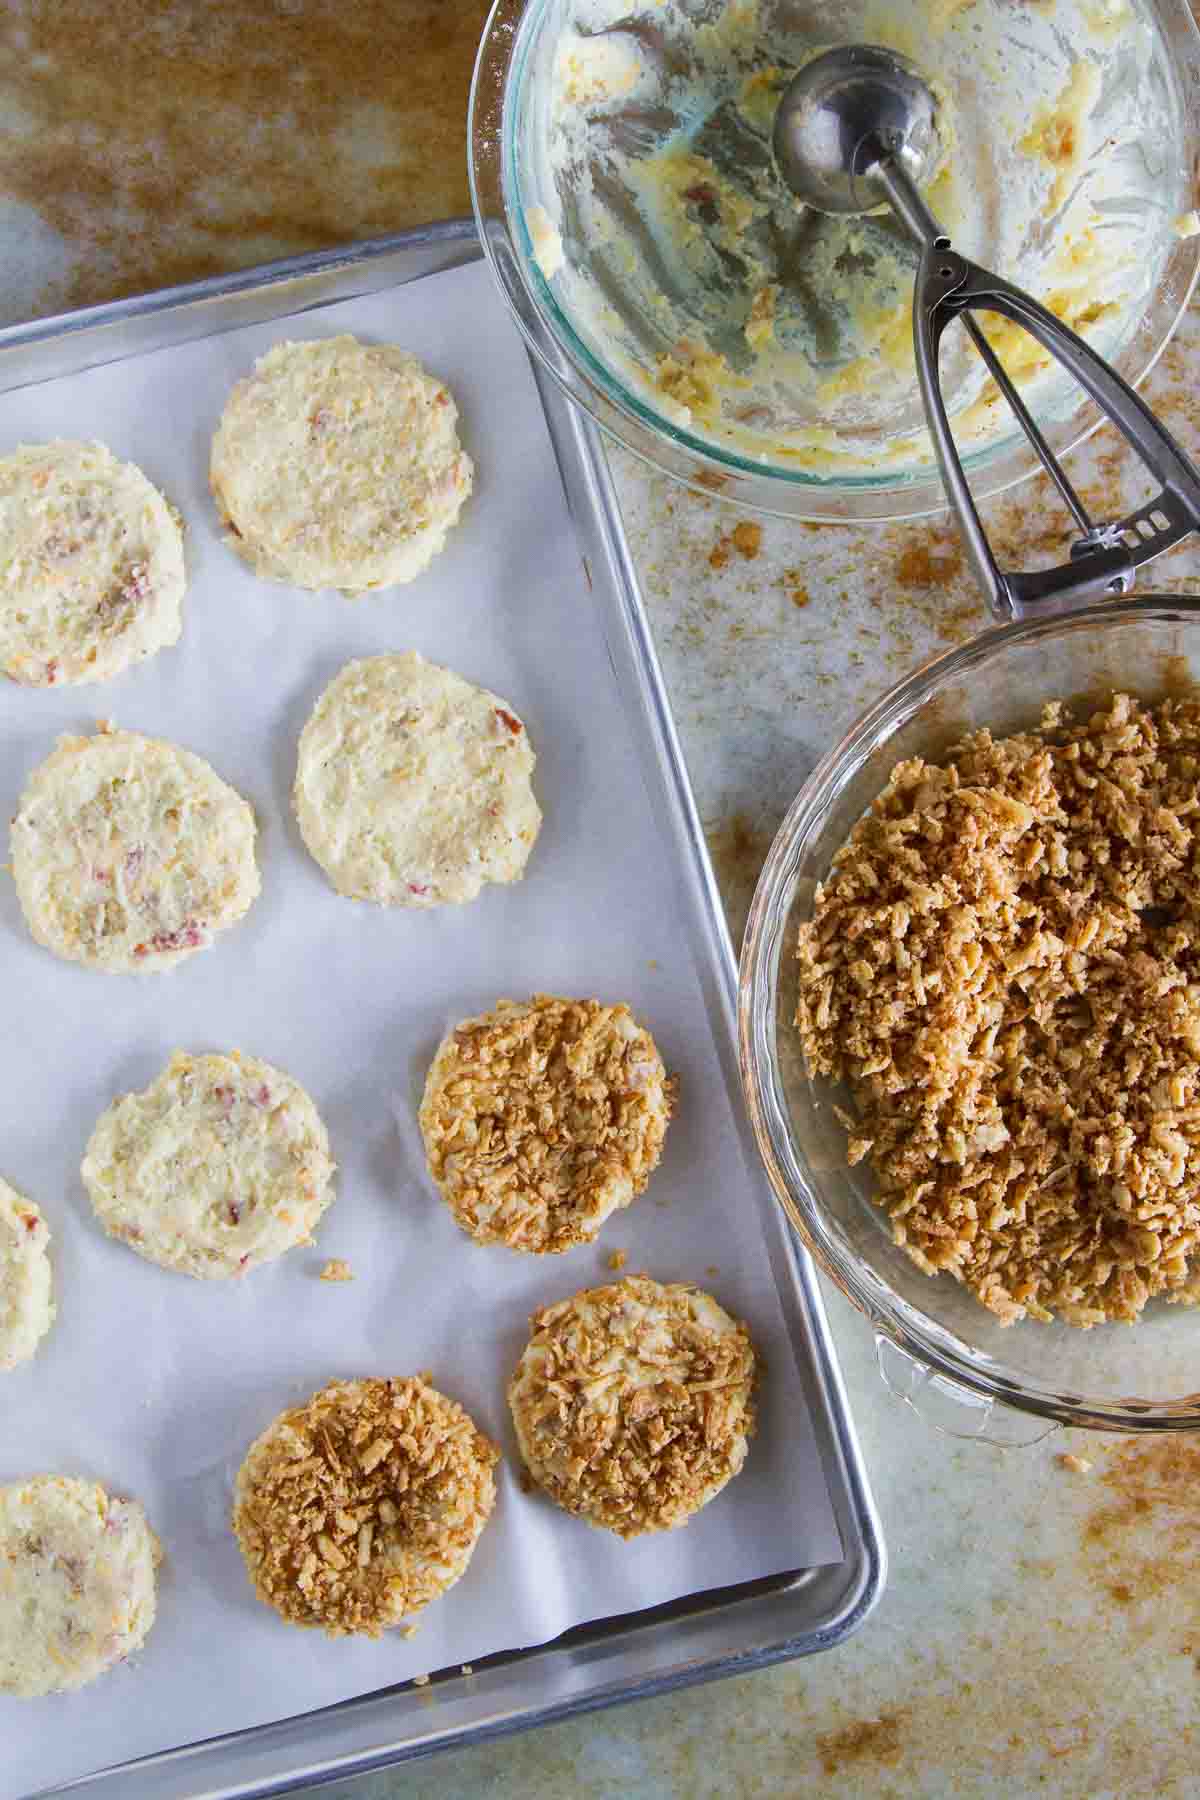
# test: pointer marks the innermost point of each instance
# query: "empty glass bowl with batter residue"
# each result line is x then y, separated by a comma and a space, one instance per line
629, 204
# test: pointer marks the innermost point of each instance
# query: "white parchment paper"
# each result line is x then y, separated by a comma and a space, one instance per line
155, 1384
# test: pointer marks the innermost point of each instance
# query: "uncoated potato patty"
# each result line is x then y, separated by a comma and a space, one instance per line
77, 1583
129, 853
413, 786
220, 1165
92, 572
337, 464
27, 1306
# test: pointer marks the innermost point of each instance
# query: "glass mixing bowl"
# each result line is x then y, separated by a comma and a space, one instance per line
519, 192
939, 1346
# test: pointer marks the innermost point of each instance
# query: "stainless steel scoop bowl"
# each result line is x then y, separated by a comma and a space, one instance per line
846, 121
858, 126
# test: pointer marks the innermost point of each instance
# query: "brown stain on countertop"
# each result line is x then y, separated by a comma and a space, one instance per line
869, 1740
922, 577
1141, 1539
738, 847
933, 560
164, 140
1025, 1705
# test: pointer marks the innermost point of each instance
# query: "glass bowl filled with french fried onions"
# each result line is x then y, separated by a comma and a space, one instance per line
970, 1022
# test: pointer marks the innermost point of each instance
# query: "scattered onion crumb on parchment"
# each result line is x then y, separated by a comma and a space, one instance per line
337, 1270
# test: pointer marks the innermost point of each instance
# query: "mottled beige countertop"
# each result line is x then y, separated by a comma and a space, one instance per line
1041, 1627
144, 142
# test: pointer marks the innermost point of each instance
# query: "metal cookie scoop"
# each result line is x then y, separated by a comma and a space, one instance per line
857, 126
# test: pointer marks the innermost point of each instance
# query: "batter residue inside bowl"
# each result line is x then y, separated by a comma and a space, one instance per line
782, 336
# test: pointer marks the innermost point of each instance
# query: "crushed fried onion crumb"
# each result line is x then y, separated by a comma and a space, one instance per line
1074, 1465
1003, 967
363, 1505
337, 1270
633, 1403
542, 1118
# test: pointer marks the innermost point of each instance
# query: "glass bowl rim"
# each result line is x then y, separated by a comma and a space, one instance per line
893, 1317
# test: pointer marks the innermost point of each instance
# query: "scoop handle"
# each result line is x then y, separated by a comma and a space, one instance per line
1104, 558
